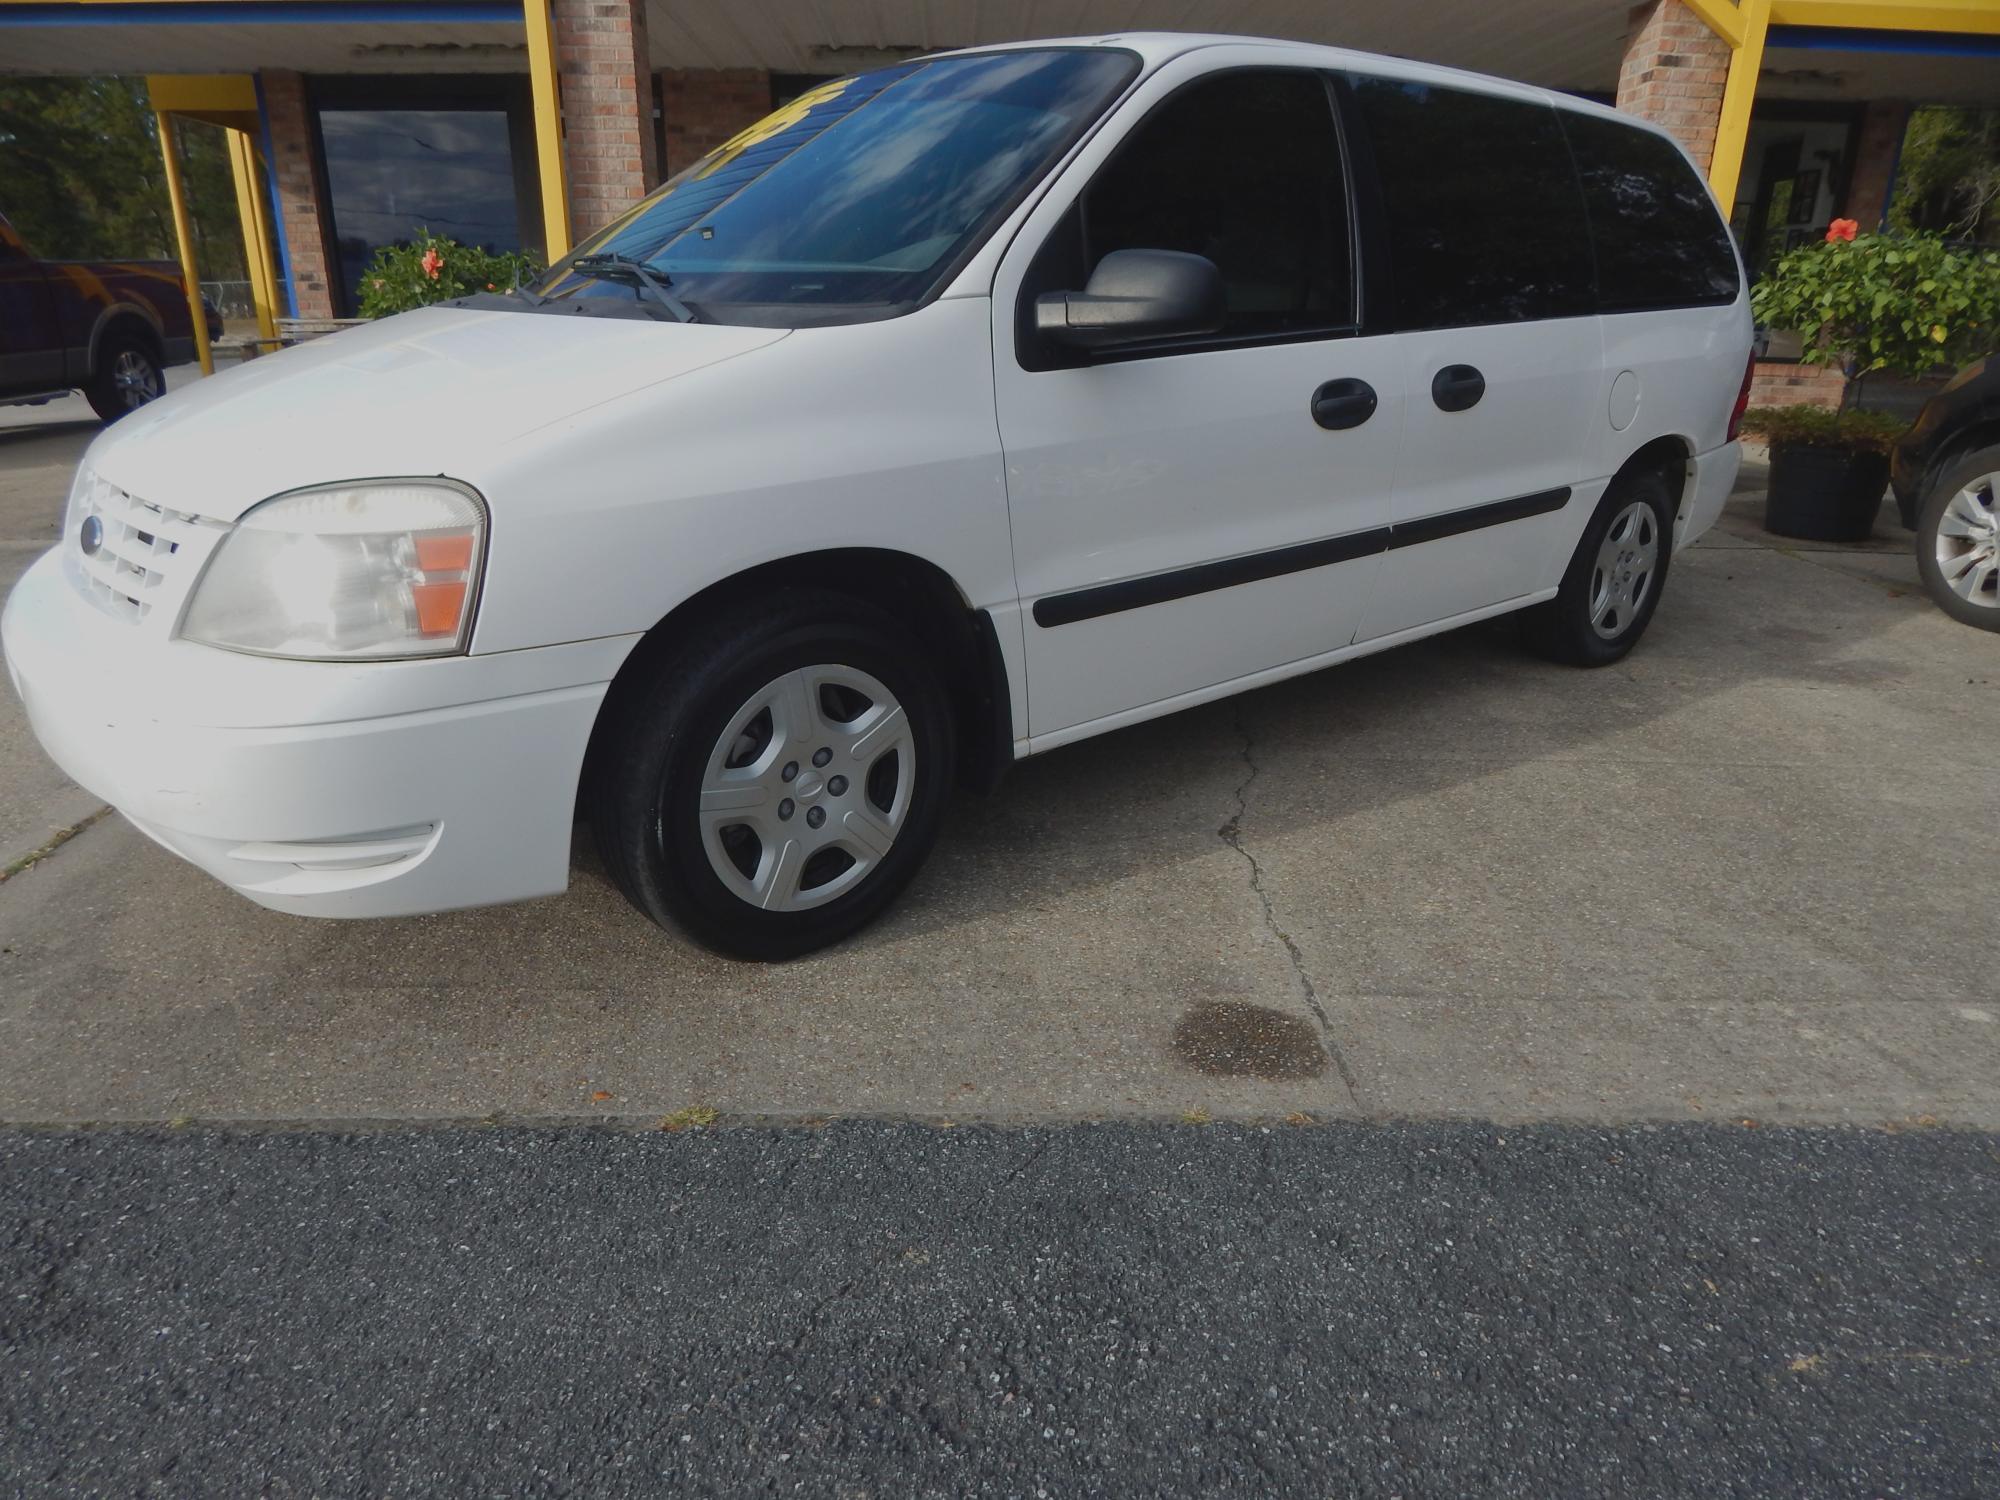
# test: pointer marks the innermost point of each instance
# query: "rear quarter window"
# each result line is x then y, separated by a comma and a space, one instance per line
1485, 220
1660, 241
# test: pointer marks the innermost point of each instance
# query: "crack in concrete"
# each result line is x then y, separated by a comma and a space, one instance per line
61, 836
1231, 833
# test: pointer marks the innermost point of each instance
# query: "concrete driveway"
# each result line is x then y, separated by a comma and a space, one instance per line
1747, 873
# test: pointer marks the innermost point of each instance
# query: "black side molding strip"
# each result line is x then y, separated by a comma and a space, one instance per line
1206, 578
1498, 513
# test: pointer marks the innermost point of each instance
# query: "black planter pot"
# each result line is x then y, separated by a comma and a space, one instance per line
1824, 494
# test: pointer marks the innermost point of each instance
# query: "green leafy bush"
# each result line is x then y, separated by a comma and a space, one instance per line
1901, 303
431, 268
1823, 427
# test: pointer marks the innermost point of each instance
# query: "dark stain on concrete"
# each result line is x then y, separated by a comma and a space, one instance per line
1231, 1039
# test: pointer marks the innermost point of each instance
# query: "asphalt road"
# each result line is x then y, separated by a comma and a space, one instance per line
1413, 1310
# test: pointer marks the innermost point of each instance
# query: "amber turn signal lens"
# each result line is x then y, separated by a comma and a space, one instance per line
439, 606
445, 554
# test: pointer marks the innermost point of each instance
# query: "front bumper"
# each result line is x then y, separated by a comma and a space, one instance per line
322, 789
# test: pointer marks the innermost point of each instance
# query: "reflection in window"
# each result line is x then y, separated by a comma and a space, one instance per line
1659, 240
392, 172
1486, 221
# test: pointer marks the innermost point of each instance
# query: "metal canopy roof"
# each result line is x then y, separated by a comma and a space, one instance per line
1568, 44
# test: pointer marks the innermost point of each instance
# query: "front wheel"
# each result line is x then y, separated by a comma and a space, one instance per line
1958, 540
771, 786
1614, 578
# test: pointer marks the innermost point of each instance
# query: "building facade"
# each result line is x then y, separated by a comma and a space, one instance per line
528, 125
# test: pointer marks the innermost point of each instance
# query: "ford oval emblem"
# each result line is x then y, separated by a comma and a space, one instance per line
91, 537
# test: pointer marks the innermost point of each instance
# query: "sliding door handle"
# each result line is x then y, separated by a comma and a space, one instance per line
1457, 388
1340, 404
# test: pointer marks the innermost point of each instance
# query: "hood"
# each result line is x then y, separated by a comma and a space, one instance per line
437, 391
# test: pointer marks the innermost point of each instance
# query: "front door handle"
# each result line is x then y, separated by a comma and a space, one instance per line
1340, 404
1457, 388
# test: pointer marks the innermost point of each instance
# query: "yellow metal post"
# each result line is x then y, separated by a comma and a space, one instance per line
1739, 94
184, 237
256, 233
546, 89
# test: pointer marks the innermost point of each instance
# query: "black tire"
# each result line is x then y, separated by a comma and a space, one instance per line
1982, 610
127, 377
1561, 629
661, 728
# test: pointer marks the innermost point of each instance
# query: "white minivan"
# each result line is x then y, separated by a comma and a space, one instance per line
957, 411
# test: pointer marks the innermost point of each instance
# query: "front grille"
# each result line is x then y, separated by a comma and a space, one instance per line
147, 557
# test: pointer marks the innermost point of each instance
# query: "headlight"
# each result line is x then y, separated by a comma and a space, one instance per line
347, 572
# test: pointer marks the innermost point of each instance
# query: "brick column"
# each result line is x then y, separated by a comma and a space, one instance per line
703, 107
1875, 155
1673, 74
607, 106
299, 199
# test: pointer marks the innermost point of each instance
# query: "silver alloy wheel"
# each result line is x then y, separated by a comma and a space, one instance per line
807, 788
135, 379
1626, 562
1968, 542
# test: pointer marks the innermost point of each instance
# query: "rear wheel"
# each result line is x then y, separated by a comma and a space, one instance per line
1958, 540
771, 786
1614, 578
128, 375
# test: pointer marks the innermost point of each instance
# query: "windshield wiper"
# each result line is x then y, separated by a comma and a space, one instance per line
533, 299
637, 275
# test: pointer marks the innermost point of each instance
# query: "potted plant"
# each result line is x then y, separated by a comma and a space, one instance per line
1828, 469
1904, 304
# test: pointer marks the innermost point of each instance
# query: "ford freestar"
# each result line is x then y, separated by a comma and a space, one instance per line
957, 411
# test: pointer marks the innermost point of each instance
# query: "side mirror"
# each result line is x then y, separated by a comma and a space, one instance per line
1133, 296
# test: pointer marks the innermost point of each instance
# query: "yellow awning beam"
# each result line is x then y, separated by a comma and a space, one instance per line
184, 237
1739, 96
228, 101
545, 87
255, 224
1745, 25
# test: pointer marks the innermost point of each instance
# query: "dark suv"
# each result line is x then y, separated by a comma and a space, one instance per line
106, 328
1946, 474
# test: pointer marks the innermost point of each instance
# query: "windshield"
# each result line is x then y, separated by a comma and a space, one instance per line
855, 200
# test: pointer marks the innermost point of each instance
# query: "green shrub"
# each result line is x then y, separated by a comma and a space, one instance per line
431, 268
1901, 303
1823, 427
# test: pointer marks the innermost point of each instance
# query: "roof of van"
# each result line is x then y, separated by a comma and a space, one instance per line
1157, 47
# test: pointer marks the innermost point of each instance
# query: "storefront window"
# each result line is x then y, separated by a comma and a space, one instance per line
1795, 171
393, 171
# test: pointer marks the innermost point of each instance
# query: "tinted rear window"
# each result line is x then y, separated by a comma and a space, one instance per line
1486, 222
1660, 242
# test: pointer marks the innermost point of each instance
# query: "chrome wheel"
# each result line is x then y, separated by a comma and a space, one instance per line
135, 378
1968, 543
1627, 561
807, 788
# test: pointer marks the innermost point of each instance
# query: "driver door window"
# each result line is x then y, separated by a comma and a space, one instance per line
1244, 168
